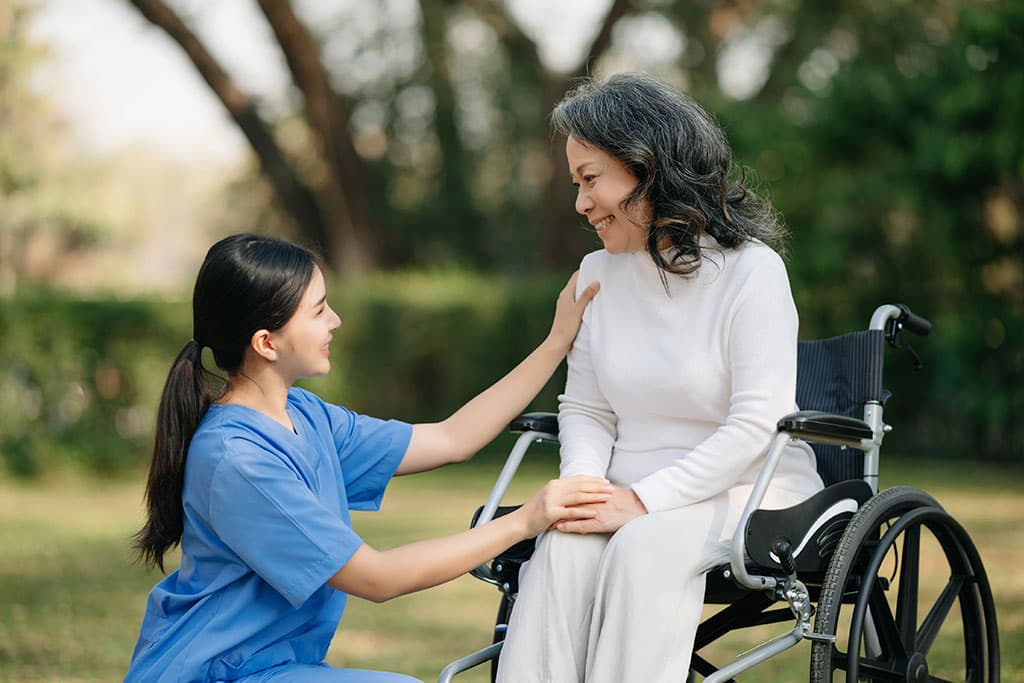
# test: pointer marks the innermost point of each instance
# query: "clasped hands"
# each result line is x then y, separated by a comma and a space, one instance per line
580, 505
610, 515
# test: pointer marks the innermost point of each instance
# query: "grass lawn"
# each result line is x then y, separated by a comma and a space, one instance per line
72, 599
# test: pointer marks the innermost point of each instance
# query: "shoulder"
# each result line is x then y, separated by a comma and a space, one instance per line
227, 430
754, 253
754, 261
592, 267
594, 263
302, 398
227, 441
605, 267
220, 426
320, 413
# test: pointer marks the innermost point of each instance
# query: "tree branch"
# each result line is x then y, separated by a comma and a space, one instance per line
345, 191
509, 34
811, 24
297, 199
599, 45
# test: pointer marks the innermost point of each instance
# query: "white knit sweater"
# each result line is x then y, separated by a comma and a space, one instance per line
677, 393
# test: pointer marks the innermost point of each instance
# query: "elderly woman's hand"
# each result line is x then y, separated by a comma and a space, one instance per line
565, 499
623, 506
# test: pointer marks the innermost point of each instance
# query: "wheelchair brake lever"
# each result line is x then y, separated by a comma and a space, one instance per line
913, 356
893, 334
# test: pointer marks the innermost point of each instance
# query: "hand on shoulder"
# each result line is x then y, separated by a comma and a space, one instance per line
569, 312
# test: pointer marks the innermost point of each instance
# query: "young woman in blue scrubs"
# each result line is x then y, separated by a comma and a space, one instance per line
256, 482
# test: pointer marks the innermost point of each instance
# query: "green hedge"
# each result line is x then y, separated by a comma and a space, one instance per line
80, 379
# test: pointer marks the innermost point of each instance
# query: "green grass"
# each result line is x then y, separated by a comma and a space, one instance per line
71, 598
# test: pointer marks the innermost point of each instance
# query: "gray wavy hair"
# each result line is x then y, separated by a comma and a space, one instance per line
682, 161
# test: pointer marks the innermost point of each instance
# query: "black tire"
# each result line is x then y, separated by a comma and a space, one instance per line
893, 523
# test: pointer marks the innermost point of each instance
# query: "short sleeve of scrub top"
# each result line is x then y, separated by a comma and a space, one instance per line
266, 525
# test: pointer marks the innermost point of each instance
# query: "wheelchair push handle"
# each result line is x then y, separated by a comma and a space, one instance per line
893, 320
912, 322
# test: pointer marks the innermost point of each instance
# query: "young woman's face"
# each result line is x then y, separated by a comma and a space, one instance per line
303, 343
603, 183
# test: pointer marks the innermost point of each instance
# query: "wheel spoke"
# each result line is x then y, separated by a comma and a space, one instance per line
874, 670
888, 633
906, 599
938, 613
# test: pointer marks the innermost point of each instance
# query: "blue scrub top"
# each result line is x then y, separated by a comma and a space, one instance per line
266, 525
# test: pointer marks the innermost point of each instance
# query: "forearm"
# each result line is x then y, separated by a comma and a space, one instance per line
587, 437
382, 575
480, 420
476, 423
587, 425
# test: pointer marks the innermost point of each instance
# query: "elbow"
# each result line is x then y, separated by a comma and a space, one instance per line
379, 596
455, 446
366, 576
461, 456
371, 590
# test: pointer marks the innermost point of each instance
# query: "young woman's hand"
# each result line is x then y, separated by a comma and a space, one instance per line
609, 516
569, 312
572, 498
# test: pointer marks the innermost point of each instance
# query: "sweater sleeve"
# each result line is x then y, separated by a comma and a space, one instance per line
586, 422
761, 350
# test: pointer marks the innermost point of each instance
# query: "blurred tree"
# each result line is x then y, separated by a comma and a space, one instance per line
328, 202
889, 134
396, 149
421, 135
48, 214
921, 176
896, 152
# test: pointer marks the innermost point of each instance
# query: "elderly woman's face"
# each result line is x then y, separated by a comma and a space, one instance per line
602, 184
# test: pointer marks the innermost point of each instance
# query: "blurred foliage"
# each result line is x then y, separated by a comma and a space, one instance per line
915, 195
80, 379
889, 135
50, 209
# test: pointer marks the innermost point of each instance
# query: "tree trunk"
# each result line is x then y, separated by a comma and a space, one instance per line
459, 217
314, 210
342, 189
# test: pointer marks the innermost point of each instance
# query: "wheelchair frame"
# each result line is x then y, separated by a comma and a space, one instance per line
891, 643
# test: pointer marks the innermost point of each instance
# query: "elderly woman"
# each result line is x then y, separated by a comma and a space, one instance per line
678, 375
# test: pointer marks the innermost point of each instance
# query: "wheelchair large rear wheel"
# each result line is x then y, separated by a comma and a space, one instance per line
907, 583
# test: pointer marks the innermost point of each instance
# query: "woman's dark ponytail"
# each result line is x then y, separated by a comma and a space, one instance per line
183, 403
246, 283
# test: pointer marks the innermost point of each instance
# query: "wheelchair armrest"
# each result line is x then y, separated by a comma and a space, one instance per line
808, 424
546, 423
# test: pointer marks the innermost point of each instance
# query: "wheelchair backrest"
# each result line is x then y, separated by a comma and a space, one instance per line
839, 375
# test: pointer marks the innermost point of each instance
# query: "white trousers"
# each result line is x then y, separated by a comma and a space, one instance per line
622, 607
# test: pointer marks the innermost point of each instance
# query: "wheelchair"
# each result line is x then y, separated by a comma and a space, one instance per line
845, 566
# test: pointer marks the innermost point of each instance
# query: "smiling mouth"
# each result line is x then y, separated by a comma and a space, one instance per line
601, 226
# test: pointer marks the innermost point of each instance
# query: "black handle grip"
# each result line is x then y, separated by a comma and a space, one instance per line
783, 549
914, 323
